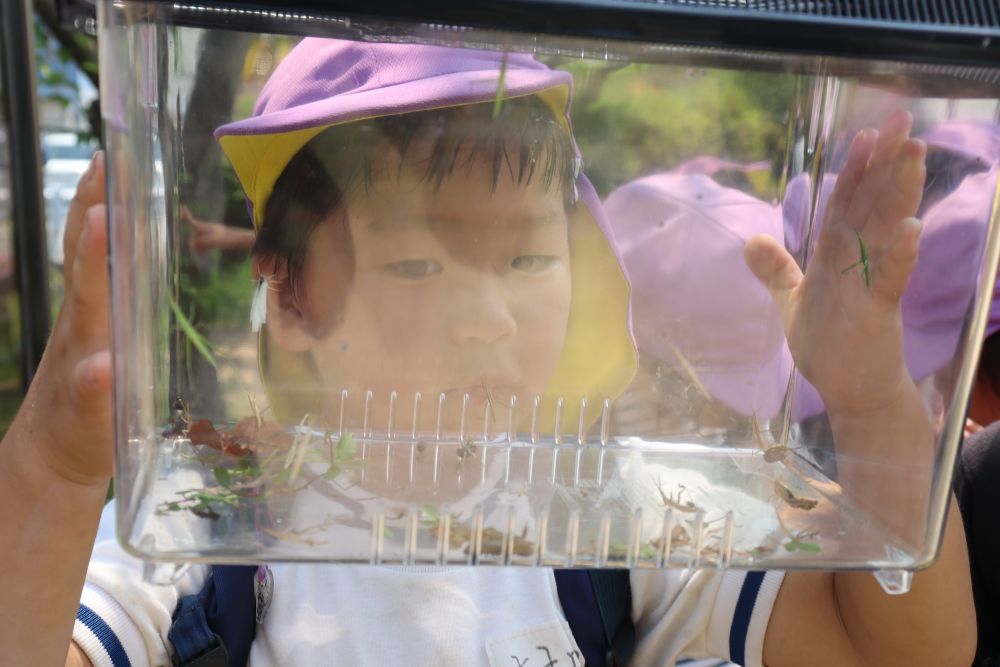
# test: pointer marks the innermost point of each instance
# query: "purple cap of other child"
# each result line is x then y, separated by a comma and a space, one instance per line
681, 238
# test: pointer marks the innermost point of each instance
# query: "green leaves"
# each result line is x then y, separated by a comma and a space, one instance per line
798, 541
346, 448
430, 512
342, 452
200, 342
252, 479
501, 86
799, 545
222, 476
201, 502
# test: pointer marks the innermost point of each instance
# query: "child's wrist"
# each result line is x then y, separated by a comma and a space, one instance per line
895, 397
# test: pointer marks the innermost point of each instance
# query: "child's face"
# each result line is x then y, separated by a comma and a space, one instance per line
461, 289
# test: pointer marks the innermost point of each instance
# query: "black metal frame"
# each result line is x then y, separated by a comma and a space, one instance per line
697, 23
31, 256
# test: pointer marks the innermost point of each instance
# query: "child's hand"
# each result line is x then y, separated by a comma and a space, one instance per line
846, 336
972, 428
58, 452
65, 418
207, 236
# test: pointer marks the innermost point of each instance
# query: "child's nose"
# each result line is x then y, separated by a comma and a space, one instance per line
480, 310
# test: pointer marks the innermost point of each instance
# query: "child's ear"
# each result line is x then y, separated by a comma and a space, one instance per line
286, 322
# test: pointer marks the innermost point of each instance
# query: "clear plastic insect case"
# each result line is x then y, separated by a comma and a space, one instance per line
395, 291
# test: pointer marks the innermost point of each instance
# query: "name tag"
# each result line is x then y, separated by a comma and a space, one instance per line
549, 645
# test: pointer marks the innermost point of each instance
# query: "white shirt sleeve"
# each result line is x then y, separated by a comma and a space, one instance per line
123, 620
702, 614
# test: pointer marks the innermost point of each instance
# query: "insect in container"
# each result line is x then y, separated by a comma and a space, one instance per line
864, 262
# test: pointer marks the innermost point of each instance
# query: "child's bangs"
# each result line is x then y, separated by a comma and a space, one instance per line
518, 138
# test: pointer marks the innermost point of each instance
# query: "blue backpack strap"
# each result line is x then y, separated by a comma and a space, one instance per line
216, 627
598, 607
193, 641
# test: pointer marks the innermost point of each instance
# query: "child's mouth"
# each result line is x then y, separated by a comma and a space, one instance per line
485, 394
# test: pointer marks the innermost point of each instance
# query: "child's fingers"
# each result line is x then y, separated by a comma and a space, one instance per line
894, 131
774, 267
71, 424
892, 271
903, 193
831, 236
878, 175
89, 191
92, 377
850, 177
971, 427
75, 373
87, 295
193, 221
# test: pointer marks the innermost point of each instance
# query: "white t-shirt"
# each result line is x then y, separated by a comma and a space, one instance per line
462, 616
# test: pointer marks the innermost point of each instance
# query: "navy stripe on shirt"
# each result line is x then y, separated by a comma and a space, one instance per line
105, 635
741, 617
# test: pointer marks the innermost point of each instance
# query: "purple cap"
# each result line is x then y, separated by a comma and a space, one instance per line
337, 80
682, 239
979, 142
947, 273
711, 165
325, 82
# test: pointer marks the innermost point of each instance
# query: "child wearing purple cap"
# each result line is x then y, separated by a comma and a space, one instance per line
372, 155
713, 349
58, 467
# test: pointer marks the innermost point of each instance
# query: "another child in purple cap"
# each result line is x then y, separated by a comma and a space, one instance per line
712, 347
59, 450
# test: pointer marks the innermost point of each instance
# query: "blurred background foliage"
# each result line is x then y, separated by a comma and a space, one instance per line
639, 119
66, 75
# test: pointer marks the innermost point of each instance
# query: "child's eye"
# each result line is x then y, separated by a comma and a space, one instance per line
533, 263
413, 269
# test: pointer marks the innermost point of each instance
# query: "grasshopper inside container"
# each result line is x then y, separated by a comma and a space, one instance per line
480, 296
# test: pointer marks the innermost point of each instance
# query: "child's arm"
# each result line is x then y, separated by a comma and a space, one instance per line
77, 658
57, 455
845, 332
207, 235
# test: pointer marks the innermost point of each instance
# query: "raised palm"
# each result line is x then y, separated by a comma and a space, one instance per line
844, 327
